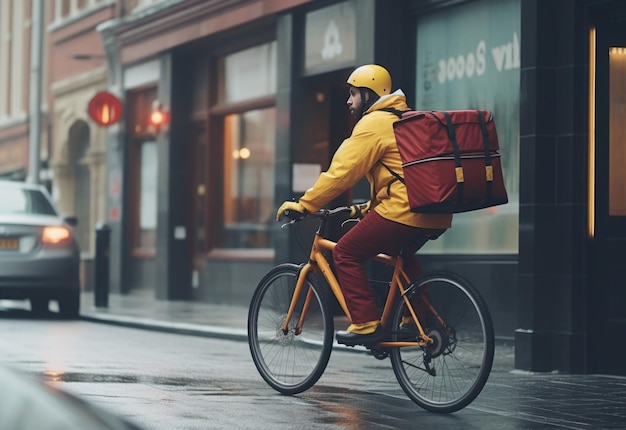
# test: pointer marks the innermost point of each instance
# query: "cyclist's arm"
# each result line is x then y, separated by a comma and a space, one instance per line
354, 158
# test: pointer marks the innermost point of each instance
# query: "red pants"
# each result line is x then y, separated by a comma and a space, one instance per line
369, 237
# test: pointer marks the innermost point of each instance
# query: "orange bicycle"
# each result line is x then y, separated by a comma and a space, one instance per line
440, 335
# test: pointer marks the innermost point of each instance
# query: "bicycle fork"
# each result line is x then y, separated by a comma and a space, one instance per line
302, 275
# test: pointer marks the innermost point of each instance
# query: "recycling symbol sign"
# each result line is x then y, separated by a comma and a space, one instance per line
332, 42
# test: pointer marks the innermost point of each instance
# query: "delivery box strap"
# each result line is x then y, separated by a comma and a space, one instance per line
398, 113
457, 156
488, 163
458, 168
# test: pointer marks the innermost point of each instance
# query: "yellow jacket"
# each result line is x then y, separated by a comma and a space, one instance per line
372, 140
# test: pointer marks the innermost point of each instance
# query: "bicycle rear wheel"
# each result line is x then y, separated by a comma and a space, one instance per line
289, 362
447, 375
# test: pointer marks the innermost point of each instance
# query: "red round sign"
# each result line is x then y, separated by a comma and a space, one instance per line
105, 109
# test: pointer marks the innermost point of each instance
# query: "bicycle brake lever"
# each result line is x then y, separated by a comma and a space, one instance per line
349, 220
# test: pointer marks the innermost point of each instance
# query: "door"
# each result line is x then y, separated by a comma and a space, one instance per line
324, 124
607, 283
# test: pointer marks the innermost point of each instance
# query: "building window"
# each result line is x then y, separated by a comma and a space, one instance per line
248, 178
468, 57
617, 134
246, 82
14, 28
5, 60
247, 75
147, 195
65, 8
143, 174
66, 11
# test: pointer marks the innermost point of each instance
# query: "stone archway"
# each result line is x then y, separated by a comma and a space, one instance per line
78, 164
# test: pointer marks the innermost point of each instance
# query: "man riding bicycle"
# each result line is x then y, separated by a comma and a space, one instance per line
387, 225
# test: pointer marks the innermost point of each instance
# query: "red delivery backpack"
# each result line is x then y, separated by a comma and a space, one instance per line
450, 160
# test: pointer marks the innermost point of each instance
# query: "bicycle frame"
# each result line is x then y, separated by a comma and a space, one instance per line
318, 263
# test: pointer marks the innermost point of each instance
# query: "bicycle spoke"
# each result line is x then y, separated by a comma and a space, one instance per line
289, 362
448, 374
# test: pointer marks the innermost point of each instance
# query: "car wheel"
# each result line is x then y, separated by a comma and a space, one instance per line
69, 305
39, 306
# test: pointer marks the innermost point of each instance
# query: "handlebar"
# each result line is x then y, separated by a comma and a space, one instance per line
295, 216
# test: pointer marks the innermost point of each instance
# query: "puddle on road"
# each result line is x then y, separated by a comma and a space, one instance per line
54, 376
198, 387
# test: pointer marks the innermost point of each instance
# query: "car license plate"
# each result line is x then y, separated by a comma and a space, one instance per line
9, 243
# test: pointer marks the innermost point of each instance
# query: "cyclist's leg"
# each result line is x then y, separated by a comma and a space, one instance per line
413, 269
412, 266
371, 236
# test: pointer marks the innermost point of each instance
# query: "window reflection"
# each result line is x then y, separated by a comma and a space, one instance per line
617, 132
247, 74
148, 195
246, 90
249, 178
143, 173
455, 71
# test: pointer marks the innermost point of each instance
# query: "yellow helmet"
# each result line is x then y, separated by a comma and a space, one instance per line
371, 76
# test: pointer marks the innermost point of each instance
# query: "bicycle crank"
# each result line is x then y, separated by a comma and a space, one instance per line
379, 354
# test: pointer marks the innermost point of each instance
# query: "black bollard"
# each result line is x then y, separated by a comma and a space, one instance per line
101, 266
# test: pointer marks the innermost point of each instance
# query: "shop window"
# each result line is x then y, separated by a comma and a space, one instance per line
247, 75
246, 82
468, 57
147, 195
617, 133
248, 178
143, 174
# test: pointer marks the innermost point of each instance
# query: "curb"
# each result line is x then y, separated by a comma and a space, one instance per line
169, 327
202, 330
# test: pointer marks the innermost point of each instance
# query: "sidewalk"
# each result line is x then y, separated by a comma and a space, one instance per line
203, 319
532, 400
144, 311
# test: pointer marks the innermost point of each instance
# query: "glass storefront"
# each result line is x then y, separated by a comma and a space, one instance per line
245, 79
468, 57
617, 133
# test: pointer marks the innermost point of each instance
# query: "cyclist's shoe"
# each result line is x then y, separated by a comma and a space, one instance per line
352, 339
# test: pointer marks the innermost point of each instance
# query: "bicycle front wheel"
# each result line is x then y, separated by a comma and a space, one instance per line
448, 374
289, 361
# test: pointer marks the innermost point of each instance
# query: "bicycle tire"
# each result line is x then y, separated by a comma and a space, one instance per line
290, 363
460, 360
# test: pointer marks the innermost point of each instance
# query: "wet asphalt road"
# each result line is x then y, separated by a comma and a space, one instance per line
170, 381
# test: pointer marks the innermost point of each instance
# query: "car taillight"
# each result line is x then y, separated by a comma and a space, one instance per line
55, 235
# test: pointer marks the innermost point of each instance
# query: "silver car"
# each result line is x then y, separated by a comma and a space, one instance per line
39, 257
